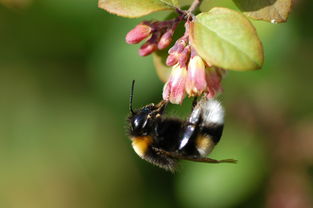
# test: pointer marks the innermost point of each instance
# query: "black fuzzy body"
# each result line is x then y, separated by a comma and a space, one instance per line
154, 131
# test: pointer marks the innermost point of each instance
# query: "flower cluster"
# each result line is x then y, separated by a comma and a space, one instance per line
159, 35
190, 75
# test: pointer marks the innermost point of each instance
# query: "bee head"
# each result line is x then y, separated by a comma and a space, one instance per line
140, 120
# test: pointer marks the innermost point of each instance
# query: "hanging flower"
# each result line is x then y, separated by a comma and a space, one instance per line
174, 89
214, 78
190, 73
196, 82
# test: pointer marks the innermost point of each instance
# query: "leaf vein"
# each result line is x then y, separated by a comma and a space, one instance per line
168, 4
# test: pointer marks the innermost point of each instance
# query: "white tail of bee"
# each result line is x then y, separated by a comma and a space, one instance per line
212, 111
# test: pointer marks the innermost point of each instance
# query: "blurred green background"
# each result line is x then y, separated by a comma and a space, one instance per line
65, 75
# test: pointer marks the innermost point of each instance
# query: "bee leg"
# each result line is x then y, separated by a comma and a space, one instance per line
194, 102
195, 159
160, 107
161, 104
210, 160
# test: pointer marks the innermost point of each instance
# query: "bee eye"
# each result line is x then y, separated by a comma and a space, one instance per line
140, 122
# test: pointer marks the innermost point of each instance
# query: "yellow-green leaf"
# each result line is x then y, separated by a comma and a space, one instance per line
226, 38
136, 8
274, 11
163, 71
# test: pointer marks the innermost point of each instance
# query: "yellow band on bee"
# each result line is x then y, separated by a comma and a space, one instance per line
141, 144
204, 145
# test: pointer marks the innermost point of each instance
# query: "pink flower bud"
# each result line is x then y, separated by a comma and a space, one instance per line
213, 78
178, 47
171, 59
173, 49
139, 33
184, 56
165, 40
196, 77
174, 89
181, 44
147, 48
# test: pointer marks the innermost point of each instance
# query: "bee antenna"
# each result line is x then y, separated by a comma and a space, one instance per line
131, 97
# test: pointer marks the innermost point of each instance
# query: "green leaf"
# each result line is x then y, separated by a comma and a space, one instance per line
275, 11
136, 8
226, 39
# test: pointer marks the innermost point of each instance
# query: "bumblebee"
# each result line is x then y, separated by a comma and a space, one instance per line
163, 141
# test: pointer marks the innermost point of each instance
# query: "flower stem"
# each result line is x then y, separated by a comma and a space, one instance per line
188, 14
195, 4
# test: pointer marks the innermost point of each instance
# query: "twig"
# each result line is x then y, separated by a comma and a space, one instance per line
188, 13
195, 4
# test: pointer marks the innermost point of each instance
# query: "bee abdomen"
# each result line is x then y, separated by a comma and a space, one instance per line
213, 131
209, 136
204, 145
212, 119
212, 112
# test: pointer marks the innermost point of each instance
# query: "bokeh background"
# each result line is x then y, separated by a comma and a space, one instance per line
65, 76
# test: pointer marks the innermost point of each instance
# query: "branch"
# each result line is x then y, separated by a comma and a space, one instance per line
187, 14
195, 4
